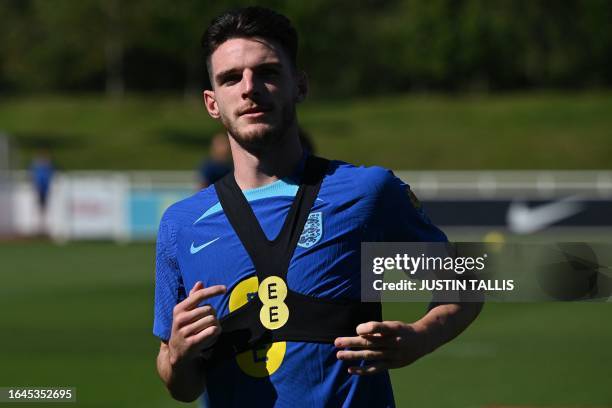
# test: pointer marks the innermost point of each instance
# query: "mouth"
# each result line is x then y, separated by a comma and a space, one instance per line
255, 111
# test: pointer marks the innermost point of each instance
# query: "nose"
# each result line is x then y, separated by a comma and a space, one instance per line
249, 84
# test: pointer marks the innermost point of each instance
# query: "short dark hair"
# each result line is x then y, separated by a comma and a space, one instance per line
248, 22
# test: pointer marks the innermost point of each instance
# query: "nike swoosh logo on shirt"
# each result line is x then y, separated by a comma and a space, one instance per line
196, 249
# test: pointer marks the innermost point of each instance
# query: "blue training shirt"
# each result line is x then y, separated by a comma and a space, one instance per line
197, 243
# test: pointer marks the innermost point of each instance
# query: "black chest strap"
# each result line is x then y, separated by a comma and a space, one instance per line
309, 319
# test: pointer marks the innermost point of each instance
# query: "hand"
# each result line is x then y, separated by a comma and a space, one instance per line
384, 345
194, 328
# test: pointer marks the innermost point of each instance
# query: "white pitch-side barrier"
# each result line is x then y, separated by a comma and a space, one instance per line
125, 206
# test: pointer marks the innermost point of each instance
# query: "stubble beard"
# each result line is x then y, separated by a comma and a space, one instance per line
260, 140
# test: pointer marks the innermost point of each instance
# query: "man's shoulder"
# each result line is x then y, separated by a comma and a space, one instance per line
364, 179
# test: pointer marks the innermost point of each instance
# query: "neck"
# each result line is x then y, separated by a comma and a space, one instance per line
254, 169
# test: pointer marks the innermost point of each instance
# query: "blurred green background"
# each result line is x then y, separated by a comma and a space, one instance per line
407, 84
547, 130
348, 49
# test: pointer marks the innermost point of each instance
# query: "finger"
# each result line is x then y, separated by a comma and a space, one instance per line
384, 328
367, 341
201, 294
206, 336
347, 355
369, 369
198, 285
191, 316
198, 326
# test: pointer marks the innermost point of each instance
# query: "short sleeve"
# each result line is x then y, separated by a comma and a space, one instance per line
399, 215
169, 288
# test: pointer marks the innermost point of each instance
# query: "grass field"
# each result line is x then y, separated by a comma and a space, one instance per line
81, 314
512, 131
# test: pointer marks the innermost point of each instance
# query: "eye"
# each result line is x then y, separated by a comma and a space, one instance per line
268, 72
230, 80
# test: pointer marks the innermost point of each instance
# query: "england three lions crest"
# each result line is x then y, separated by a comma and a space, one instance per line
313, 230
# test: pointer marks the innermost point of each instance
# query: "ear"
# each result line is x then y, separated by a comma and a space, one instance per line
302, 86
211, 104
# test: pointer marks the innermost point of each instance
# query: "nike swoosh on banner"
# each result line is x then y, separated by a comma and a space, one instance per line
195, 250
524, 220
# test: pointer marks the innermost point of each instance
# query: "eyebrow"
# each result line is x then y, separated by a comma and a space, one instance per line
223, 74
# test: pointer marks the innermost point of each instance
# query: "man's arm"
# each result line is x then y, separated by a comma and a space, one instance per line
394, 344
444, 322
179, 362
185, 380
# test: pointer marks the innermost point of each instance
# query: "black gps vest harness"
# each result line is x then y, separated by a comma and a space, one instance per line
278, 313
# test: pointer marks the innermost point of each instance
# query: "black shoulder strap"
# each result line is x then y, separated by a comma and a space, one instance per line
271, 257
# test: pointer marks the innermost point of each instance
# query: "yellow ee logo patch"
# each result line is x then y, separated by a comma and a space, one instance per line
274, 312
264, 361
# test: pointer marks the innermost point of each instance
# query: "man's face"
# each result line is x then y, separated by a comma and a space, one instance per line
255, 90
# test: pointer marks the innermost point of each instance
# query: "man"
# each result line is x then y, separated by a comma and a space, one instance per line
218, 164
42, 171
205, 266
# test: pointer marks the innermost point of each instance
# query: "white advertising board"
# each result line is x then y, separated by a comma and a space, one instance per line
90, 207
81, 206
